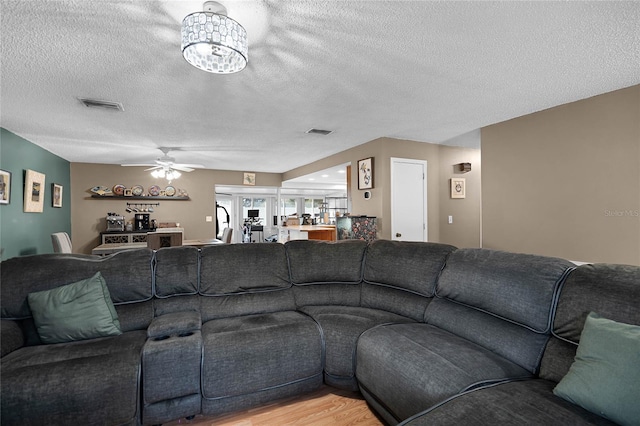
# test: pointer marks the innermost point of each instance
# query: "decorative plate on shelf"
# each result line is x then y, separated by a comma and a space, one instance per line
154, 190
99, 189
118, 189
170, 191
137, 190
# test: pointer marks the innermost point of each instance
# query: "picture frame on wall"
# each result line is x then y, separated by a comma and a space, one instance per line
249, 179
5, 187
33, 191
365, 173
458, 188
56, 195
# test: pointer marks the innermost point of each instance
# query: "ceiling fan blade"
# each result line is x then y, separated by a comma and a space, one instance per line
137, 165
182, 168
191, 166
153, 168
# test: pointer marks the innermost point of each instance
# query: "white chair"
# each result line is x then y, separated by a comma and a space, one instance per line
61, 242
227, 233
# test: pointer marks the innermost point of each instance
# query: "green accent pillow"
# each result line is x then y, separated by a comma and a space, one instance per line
605, 375
78, 311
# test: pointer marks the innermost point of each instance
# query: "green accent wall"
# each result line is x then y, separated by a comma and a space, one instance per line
30, 233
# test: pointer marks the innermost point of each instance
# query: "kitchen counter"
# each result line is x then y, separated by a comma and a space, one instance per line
108, 248
311, 232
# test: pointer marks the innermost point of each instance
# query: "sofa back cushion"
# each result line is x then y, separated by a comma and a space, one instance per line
176, 271
401, 276
244, 279
502, 301
611, 291
128, 276
326, 273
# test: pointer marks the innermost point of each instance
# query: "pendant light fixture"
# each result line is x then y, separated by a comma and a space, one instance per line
214, 42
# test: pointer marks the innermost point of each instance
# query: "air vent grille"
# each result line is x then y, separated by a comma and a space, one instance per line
319, 132
94, 103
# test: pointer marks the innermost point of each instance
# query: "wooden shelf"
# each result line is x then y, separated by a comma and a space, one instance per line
133, 197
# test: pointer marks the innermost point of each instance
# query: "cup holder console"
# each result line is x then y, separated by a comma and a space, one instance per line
159, 338
190, 333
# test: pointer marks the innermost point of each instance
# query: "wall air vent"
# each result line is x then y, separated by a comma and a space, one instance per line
94, 103
319, 132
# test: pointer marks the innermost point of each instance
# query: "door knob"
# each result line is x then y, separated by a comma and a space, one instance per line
398, 235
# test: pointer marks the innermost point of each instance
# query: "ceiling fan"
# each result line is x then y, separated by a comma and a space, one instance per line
166, 163
166, 167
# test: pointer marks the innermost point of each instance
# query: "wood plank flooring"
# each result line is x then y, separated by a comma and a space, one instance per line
327, 406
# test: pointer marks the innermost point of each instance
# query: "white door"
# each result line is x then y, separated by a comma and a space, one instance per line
408, 199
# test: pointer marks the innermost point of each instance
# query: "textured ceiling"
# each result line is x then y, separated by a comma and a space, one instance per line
418, 70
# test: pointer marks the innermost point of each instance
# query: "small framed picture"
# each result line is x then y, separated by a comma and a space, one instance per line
365, 173
5, 187
458, 188
249, 179
56, 195
33, 192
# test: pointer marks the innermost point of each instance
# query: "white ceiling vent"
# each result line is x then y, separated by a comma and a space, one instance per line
94, 103
319, 132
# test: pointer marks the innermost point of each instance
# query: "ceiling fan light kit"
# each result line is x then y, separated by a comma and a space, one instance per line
166, 167
213, 42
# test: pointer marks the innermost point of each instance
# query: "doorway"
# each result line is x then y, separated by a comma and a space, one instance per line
408, 199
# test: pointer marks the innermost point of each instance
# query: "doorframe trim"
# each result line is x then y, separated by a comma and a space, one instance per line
425, 228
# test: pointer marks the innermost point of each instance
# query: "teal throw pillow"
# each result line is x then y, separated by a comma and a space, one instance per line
605, 375
78, 311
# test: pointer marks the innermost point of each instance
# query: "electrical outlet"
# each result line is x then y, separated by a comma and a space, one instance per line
208, 218
450, 220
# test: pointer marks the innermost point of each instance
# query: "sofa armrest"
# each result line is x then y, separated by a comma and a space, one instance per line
11, 337
175, 323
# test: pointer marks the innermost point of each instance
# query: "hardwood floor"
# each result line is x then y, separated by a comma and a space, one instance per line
325, 407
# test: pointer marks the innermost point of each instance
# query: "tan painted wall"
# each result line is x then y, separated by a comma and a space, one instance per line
566, 181
88, 215
466, 229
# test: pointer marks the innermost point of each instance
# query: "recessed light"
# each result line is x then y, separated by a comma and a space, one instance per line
311, 179
341, 171
325, 175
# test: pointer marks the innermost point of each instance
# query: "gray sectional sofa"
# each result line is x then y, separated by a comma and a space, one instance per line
429, 334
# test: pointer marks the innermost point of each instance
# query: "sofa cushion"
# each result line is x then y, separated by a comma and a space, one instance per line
341, 326
266, 351
517, 287
76, 311
613, 291
605, 377
400, 276
243, 268
128, 275
85, 382
313, 262
410, 266
526, 403
410, 367
176, 271
501, 301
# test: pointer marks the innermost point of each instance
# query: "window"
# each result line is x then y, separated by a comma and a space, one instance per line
312, 206
289, 206
259, 204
